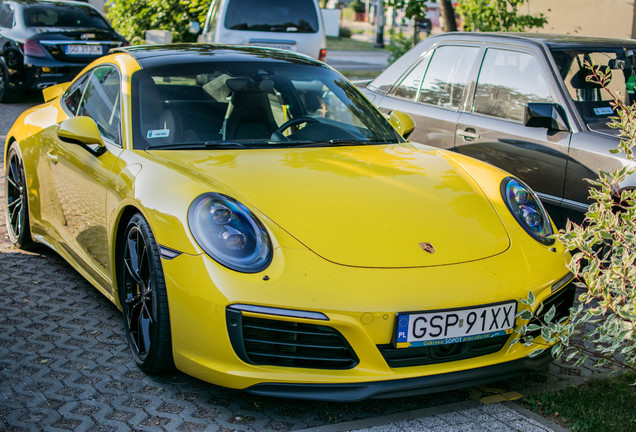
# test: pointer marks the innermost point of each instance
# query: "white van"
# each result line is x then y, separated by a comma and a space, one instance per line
294, 25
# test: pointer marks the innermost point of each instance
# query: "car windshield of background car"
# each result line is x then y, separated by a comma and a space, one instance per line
593, 102
56, 15
247, 105
298, 16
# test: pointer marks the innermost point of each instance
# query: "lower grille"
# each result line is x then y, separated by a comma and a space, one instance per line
562, 301
271, 342
419, 356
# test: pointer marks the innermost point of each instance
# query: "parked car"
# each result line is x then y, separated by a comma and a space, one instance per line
263, 227
523, 102
291, 25
43, 43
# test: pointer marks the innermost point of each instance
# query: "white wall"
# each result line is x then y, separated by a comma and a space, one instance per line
605, 18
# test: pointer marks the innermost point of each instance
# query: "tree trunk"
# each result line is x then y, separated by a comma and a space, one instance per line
448, 14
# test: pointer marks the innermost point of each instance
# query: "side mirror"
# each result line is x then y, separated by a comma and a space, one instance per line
82, 130
402, 122
194, 27
545, 115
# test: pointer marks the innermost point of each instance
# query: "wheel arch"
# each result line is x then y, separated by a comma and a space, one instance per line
126, 213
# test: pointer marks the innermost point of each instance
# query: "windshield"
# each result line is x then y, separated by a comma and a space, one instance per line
56, 15
251, 105
292, 16
591, 100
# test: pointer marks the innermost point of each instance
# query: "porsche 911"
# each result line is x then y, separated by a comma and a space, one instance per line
263, 227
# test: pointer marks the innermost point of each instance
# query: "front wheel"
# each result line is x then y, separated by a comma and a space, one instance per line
16, 204
143, 297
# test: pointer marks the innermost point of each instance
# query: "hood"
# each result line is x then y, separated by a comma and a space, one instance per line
363, 206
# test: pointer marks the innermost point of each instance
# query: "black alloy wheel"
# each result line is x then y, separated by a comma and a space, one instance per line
17, 206
144, 302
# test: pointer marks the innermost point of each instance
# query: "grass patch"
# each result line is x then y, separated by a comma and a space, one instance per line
348, 44
360, 74
603, 405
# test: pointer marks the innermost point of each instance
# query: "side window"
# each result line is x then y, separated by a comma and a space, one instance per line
410, 85
507, 81
6, 16
101, 102
447, 76
73, 95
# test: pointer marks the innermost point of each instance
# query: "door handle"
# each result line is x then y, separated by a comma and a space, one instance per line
52, 156
468, 134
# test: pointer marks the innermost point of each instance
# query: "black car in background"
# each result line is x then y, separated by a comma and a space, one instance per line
43, 43
523, 102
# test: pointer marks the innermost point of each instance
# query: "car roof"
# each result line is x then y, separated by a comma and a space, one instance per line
169, 54
553, 41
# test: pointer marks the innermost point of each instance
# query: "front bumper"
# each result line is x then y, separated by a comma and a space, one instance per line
360, 306
403, 387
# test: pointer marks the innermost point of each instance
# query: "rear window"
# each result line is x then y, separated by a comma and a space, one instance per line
284, 16
56, 15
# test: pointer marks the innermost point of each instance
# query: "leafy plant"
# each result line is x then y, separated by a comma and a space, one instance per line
497, 15
603, 260
172, 15
399, 45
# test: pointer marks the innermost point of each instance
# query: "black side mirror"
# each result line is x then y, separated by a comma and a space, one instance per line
545, 115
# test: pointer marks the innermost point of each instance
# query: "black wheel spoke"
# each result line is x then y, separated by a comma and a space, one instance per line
16, 220
132, 257
145, 324
12, 181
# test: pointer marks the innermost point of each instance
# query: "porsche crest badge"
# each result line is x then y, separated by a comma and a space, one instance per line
427, 247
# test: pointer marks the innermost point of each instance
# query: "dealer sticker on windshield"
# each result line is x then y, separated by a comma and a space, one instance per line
450, 326
603, 111
158, 133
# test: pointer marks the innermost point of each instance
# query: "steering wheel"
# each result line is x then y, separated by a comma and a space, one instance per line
278, 133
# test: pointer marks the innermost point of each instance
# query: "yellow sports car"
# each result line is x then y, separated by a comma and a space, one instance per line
263, 227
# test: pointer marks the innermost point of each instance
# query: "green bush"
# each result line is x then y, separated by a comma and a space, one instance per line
132, 18
344, 32
399, 45
357, 6
602, 324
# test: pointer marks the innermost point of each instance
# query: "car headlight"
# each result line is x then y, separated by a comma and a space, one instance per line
230, 233
524, 204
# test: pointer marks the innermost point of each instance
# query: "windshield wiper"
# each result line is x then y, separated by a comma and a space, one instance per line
341, 142
221, 145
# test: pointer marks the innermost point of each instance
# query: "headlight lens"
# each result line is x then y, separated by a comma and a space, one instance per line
524, 204
230, 233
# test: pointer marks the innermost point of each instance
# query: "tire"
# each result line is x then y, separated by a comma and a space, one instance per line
16, 201
6, 93
144, 300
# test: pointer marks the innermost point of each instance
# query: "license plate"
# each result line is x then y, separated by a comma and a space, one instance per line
450, 326
269, 45
83, 50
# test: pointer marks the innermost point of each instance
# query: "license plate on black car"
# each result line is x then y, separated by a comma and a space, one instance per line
83, 50
450, 326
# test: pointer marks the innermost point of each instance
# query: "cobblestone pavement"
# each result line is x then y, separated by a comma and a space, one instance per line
65, 364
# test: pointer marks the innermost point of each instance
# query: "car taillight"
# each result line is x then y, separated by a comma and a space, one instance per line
322, 56
33, 49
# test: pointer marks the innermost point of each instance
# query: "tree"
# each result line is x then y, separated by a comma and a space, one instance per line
173, 15
604, 262
497, 15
